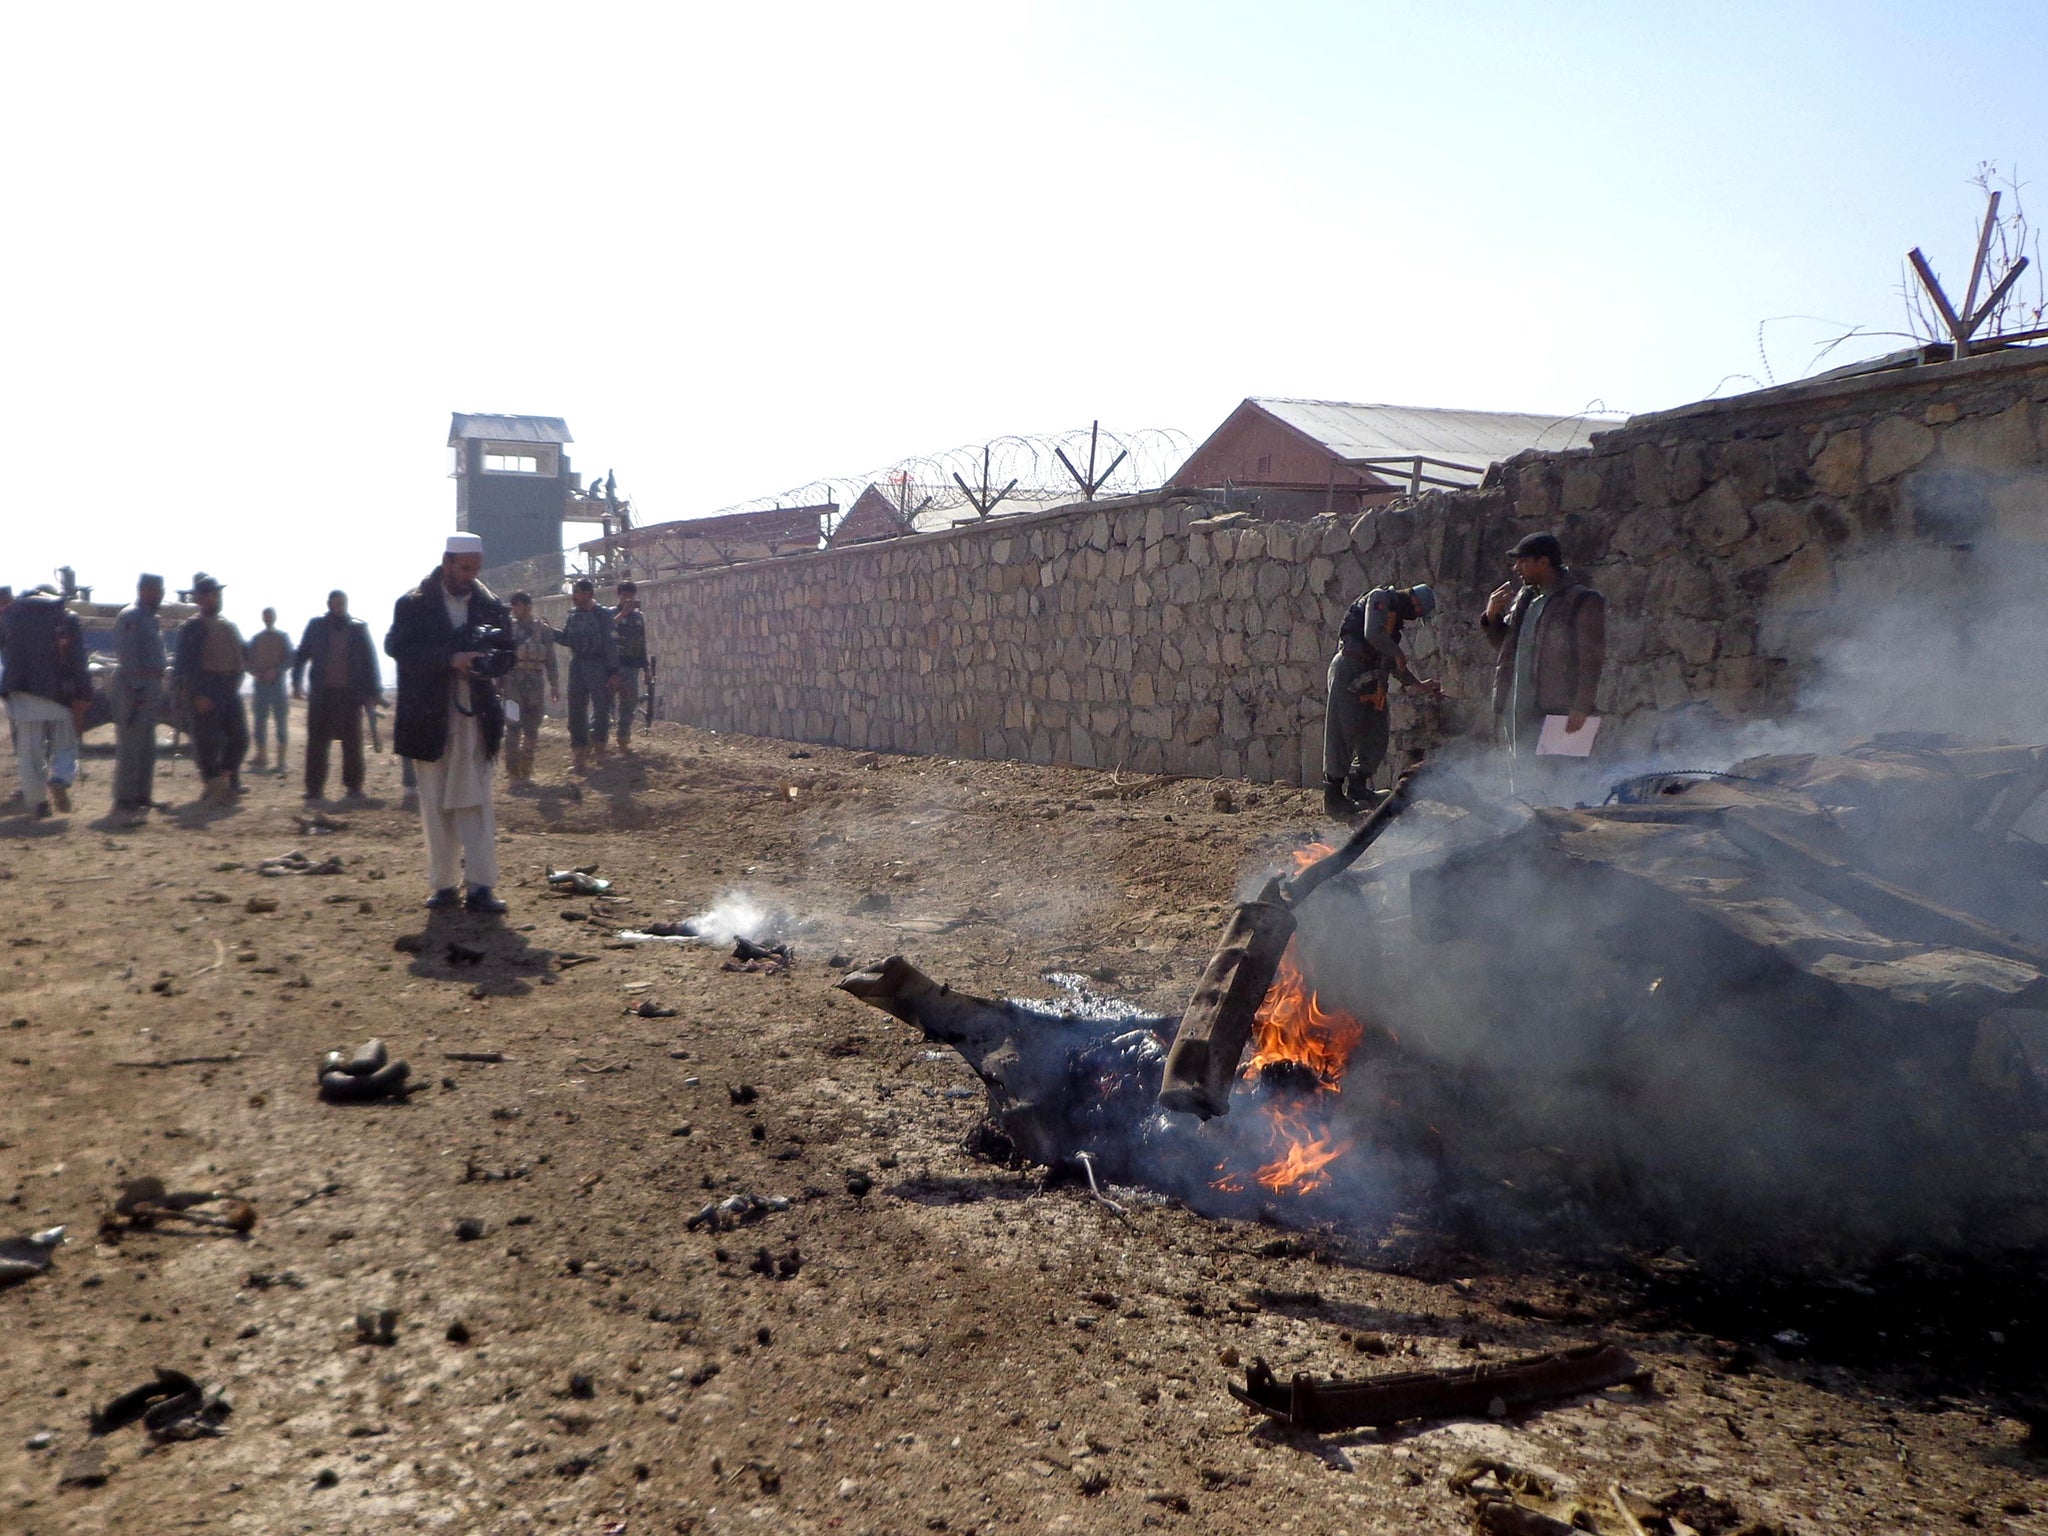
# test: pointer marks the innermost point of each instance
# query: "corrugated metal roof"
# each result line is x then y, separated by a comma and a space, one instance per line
1464, 437
508, 429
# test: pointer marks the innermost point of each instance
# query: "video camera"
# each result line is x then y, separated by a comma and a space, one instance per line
496, 653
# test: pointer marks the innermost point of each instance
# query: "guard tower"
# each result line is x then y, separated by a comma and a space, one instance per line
512, 483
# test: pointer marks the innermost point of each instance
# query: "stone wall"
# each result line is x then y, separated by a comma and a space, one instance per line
1732, 538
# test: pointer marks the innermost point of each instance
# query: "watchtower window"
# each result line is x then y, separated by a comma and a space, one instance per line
511, 464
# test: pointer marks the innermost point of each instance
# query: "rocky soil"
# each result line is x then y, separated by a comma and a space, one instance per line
956, 1347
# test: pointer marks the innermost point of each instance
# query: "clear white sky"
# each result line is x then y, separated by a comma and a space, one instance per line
258, 253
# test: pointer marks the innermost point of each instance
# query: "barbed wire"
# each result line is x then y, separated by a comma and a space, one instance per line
1017, 471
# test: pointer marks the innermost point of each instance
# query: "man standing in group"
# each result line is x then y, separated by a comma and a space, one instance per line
138, 700
1551, 644
1355, 713
631, 626
450, 638
267, 655
336, 659
209, 674
48, 690
532, 683
593, 672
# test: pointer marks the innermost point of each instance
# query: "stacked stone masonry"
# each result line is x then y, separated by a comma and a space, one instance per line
1732, 539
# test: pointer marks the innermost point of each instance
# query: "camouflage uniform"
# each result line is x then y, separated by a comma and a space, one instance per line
528, 685
631, 629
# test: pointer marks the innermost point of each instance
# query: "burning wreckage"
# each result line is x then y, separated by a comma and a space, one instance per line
1800, 1007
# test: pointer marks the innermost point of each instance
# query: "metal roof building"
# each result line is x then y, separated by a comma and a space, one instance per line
1290, 459
465, 427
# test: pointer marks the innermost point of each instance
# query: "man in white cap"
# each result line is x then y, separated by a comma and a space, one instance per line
451, 639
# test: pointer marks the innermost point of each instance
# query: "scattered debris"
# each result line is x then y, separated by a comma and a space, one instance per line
319, 824
369, 1074
776, 1266
734, 1211
144, 1203
298, 863
1320, 1406
458, 1332
489, 1058
260, 904
377, 1327
1087, 1162
24, 1257
468, 1229
742, 1093
748, 956
85, 1467
577, 882
172, 1407
1512, 1501
648, 1008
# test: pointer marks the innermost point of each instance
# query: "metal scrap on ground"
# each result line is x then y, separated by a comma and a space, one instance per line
1332, 1403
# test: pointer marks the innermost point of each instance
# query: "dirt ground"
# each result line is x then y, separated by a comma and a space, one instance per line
965, 1348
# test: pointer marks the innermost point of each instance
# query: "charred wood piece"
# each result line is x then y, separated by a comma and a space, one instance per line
1057, 1084
172, 1407
1202, 1067
1321, 1406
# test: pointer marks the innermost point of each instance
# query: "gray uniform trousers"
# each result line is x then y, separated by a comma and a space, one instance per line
1354, 733
138, 706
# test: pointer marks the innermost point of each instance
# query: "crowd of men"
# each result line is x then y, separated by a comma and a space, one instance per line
473, 674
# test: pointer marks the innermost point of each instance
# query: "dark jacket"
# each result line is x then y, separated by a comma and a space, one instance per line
1571, 647
423, 643
593, 643
309, 661
188, 658
45, 650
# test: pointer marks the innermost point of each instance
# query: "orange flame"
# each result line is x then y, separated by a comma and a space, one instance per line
1292, 1025
1310, 1150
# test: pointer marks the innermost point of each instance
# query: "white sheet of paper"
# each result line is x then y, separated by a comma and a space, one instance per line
1556, 741
512, 713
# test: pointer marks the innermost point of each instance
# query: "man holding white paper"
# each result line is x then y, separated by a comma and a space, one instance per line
1550, 637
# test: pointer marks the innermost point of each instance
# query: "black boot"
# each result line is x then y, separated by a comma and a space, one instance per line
1336, 805
1362, 795
444, 900
481, 900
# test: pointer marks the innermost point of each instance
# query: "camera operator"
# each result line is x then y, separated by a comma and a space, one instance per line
451, 638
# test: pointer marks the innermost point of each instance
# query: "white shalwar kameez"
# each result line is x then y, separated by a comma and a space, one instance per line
455, 791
